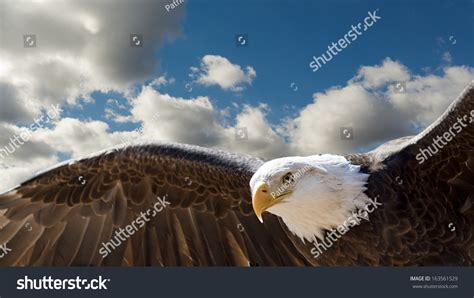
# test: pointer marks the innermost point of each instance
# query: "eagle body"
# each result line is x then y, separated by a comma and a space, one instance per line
397, 205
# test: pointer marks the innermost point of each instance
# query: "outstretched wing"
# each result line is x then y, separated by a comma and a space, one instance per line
426, 185
153, 204
427, 211
436, 179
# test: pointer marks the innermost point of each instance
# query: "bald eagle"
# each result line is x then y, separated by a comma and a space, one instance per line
162, 204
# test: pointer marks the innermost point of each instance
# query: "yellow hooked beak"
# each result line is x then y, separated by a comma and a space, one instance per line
262, 199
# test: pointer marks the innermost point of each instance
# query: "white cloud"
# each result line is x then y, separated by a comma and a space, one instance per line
13, 175
111, 114
78, 137
162, 117
370, 105
379, 75
14, 107
71, 136
317, 127
429, 96
161, 81
366, 103
198, 121
81, 46
217, 70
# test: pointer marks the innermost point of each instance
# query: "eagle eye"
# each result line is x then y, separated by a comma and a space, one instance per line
288, 178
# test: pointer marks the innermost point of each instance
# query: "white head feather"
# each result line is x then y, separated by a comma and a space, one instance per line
325, 190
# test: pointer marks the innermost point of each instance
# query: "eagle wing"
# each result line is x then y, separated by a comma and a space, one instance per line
427, 196
194, 204
428, 217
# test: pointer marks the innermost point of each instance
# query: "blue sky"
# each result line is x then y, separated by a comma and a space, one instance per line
284, 35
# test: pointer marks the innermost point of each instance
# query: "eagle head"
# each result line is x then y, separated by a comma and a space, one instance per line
310, 194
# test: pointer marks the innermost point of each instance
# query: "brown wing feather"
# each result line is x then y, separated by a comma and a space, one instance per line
421, 203
209, 221
438, 189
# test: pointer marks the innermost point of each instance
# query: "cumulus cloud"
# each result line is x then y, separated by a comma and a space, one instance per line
12, 176
14, 151
13, 106
94, 53
77, 137
81, 47
161, 116
379, 75
317, 128
218, 70
371, 106
368, 103
198, 121
68, 136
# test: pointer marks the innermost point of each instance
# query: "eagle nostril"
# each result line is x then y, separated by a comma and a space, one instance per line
264, 190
